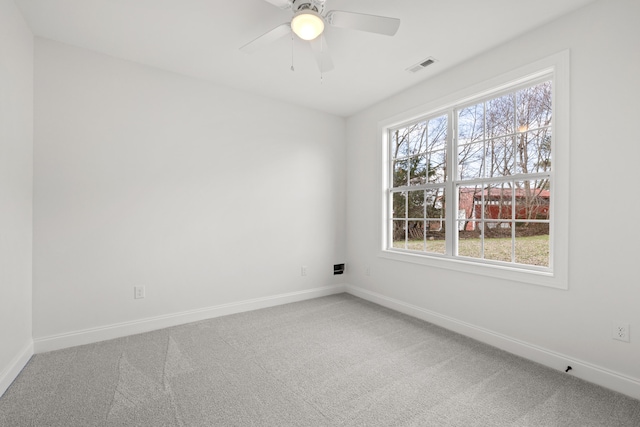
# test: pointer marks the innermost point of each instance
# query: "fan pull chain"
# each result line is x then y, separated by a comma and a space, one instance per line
321, 61
292, 69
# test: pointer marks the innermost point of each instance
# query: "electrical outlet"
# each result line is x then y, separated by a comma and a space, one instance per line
621, 331
303, 270
138, 292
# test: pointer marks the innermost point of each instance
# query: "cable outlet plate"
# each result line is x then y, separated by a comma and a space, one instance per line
621, 331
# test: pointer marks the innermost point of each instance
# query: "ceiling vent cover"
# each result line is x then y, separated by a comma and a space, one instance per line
422, 64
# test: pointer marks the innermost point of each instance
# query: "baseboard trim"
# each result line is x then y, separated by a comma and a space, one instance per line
118, 330
584, 370
15, 367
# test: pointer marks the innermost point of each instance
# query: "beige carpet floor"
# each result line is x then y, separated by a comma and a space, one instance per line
333, 361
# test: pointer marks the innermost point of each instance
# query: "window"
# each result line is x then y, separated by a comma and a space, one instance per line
474, 182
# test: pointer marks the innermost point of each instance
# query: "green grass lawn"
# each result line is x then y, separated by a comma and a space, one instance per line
531, 250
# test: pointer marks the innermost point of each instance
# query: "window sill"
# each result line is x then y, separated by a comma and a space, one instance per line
514, 274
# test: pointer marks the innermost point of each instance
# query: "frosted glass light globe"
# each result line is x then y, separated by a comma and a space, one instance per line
307, 24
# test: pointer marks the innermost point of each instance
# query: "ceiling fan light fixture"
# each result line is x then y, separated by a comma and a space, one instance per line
307, 24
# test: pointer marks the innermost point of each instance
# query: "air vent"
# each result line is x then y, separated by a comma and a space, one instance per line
421, 65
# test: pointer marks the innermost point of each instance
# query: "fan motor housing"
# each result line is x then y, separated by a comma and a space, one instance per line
315, 5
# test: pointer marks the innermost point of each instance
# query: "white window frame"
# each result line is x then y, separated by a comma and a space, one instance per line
556, 68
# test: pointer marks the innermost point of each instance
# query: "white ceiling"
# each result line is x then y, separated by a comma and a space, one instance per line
201, 38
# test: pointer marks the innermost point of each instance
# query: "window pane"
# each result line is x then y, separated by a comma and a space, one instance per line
498, 241
500, 158
469, 243
399, 205
400, 143
400, 173
500, 116
471, 124
415, 235
497, 203
437, 166
532, 243
469, 203
434, 203
418, 170
415, 204
435, 237
471, 161
534, 151
437, 133
532, 199
399, 234
417, 138
534, 109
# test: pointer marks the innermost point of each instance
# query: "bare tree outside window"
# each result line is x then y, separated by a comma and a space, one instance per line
501, 151
419, 170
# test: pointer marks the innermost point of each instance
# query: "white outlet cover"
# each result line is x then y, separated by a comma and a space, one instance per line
138, 292
621, 331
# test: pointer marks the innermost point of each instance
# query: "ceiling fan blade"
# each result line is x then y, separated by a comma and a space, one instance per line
321, 52
268, 37
282, 4
360, 21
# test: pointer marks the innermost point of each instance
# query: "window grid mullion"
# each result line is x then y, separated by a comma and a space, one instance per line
450, 195
390, 232
424, 214
406, 219
482, 221
506, 178
514, 142
486, 175
513, 222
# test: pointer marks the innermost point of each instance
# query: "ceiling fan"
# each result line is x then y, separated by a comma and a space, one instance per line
308, 23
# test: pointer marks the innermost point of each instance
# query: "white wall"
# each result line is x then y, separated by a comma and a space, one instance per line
203, 194
605, 148
16, 149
